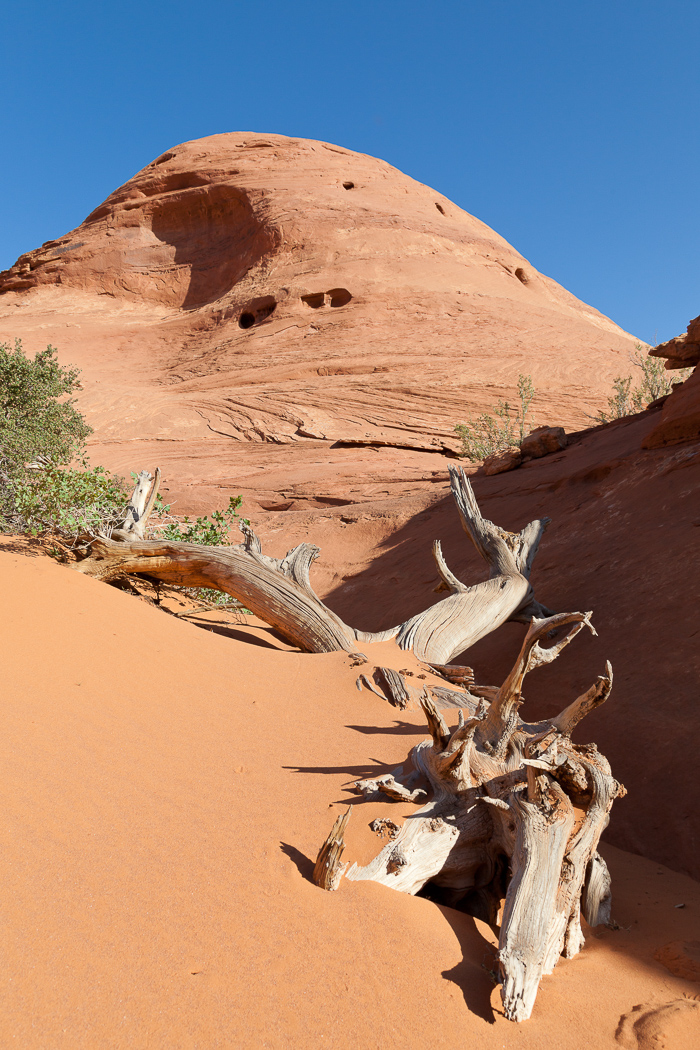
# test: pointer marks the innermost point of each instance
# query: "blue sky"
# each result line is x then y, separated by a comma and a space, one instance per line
570, 128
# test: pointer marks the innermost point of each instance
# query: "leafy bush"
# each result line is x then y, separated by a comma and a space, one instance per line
653, 383
211, 530
46, 482
34, 424
41, 433
488, 434
69, 501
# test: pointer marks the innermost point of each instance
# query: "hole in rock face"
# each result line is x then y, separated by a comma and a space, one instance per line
257, 311
265, 311
333, 297
339, 296
440, 208
348, 185
315, 301
521, 275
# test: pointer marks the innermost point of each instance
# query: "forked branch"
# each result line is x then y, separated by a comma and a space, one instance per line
279, 590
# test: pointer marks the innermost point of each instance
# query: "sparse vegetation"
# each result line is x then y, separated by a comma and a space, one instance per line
211, 530
488, 434
654, 382
46, 483
67, 501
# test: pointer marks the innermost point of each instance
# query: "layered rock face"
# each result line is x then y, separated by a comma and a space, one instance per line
255, 311
680, 419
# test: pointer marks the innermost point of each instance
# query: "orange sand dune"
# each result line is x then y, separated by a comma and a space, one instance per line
165, 791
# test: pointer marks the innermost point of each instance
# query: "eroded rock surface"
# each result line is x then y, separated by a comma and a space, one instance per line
542, 441
506, 459
680, 414
259, 293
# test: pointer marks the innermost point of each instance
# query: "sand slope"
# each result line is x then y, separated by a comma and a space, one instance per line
164, 790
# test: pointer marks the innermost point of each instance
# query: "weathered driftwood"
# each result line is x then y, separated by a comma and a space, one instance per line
512, 811
328, 870
511, 816
140, 508
278, 590
393, 686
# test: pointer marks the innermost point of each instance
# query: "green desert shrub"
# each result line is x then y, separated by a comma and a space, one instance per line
491, 433
70, 501
46, 483
212, 530
653, 383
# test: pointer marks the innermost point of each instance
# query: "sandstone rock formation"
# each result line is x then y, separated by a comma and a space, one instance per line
292, 408
542, 441
507, 459
680, 418
682, 351
259, 314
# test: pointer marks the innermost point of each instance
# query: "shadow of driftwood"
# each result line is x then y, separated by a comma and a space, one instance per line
28, 546
398, 729
359, 772
240, 635
303, 863
475, 975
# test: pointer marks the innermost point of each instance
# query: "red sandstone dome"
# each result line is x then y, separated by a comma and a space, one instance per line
262, 289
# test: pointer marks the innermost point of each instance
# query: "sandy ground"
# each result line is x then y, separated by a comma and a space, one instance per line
166, 790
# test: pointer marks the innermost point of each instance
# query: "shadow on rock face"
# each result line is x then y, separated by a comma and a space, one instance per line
215, 234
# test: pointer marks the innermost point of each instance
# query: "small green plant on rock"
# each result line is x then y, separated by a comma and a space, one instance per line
654, 383
488, 434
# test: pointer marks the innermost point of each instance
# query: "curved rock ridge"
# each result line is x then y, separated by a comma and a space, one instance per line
249, 288
680, 416
683, 350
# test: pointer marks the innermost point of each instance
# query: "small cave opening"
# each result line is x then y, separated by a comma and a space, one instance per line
265, 311
333, 297
440, 208
348, 185
258, 311
522, 276
315, 300
339, 296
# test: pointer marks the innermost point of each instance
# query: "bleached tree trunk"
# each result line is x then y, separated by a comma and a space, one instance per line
140, 507
498, 820
279, 591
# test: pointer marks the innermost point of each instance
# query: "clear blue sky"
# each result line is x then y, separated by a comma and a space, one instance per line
570, 128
